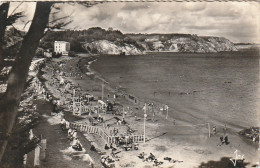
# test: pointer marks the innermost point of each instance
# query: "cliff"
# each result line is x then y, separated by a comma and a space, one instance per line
108, 47
98, 40
188, 43
179, 43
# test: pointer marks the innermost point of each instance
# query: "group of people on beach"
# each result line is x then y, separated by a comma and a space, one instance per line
107, 161
150, 158
72, 135
223, 139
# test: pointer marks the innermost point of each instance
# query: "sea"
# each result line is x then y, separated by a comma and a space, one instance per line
220, 88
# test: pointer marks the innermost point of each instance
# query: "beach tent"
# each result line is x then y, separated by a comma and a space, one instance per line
103, 104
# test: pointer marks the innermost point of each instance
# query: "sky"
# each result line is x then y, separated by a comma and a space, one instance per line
237, 21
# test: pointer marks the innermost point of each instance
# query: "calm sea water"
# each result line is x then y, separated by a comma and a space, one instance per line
222, 88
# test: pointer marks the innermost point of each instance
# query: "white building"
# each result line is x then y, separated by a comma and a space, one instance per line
61, 47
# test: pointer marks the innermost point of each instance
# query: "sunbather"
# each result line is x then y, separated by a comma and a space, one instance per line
141, 155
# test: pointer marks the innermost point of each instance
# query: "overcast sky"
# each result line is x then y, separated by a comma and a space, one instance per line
237, 21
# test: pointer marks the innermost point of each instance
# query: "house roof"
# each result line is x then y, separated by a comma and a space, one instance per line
61, 42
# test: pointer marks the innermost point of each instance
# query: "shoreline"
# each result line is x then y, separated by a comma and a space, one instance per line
125, 94
173, 138
114, 89
233, 128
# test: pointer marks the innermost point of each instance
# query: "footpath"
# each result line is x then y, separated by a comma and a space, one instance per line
57, 151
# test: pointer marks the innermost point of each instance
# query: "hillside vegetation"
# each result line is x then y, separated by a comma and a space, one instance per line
98, 40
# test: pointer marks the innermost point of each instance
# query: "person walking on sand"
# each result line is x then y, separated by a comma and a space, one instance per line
214, 129
153, 116
226, 140
222, 141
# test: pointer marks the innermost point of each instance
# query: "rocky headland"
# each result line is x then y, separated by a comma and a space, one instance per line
100, 41
185, 43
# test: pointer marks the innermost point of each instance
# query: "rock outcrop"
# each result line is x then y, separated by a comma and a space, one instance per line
190, 43
251, 133
108, 47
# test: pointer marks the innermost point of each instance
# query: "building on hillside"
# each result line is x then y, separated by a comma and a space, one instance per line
61, 47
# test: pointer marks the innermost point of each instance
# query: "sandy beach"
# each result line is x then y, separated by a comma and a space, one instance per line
130, 84
183, 141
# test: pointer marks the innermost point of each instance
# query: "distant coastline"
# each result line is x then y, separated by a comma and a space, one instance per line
100, 41
247, 46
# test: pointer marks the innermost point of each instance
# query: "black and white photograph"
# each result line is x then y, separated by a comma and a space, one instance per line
129, 84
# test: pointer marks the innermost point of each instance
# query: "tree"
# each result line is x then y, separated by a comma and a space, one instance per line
3, 19
76, 46
17, 77
9, 103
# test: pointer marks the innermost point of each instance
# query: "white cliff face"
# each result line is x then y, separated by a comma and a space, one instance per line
108, 47
222, 44
158, 45
174, 47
